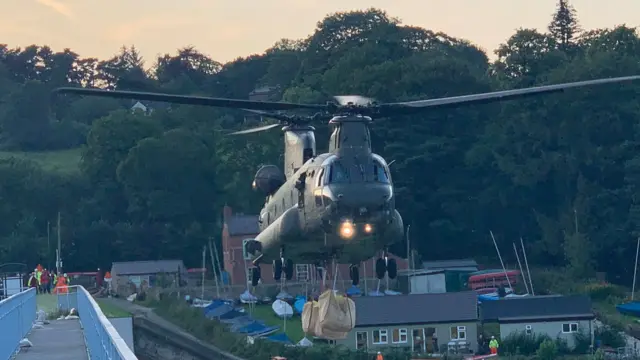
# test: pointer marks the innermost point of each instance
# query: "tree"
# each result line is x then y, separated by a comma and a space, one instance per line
564, 27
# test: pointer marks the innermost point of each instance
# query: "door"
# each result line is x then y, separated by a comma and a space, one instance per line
362, 340
431, 341
418, 341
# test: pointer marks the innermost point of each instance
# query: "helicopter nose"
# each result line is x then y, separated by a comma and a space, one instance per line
363, 196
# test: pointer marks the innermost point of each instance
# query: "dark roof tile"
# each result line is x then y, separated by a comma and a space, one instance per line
416, 309
536, 307
443, 264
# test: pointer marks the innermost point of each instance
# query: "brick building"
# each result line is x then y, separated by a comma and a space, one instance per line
240, 227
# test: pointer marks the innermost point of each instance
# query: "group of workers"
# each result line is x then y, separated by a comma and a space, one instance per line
44, 280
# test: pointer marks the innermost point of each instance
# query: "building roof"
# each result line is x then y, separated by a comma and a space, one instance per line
416, 309
243, 225
446, 264
147, 267
536, 307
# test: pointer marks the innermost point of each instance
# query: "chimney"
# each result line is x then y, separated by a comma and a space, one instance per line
226, 213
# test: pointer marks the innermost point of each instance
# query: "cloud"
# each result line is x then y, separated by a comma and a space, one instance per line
57, 6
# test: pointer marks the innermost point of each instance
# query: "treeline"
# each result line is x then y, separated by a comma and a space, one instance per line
562, 171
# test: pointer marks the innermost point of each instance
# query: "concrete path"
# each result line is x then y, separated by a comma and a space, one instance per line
59, 340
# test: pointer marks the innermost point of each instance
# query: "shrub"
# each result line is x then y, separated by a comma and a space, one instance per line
603, 291
547, 350
609, 336
520, 343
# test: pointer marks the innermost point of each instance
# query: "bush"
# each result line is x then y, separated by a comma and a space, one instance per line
547, 350
520, 343
603, 291
609, 336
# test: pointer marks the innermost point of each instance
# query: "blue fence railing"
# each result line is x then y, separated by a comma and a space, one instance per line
17, 314
102, 339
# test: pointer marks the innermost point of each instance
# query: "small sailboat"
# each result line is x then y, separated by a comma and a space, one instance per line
282, 309
247, 298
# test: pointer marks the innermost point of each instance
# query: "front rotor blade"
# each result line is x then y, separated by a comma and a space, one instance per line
254, 130
190, 100
423, 105
354, 100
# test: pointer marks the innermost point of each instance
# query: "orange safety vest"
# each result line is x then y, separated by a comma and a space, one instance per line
379, 357
61, 286
107, 275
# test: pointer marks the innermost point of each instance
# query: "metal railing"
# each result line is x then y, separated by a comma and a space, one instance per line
102, 340
17, 314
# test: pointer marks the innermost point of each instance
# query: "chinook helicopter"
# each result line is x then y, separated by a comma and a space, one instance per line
339, 205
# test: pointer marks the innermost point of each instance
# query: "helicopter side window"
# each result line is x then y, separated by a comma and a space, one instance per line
319, 180
380, 173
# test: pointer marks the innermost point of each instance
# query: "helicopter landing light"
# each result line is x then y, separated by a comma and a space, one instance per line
347, 230
368, 228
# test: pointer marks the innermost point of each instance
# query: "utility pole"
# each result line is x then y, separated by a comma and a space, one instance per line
59, 257
48, 246
409, 258
635, 270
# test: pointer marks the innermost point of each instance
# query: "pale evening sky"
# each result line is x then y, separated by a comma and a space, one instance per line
226, 29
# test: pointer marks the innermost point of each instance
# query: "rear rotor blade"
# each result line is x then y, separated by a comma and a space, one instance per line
254, 130
411, 107
190, 100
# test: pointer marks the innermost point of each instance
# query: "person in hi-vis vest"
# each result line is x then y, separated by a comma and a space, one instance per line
493, 345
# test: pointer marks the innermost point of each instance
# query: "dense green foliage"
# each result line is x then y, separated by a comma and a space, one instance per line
562, 171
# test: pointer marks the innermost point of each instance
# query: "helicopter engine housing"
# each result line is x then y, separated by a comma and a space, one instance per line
268, 179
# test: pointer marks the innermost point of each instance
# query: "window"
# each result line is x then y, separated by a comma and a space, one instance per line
570, 328
380, 337
338, 173
319, 179
380, 173
361, 340
245, 254
399, 336
528, 330
302, 272
458, 333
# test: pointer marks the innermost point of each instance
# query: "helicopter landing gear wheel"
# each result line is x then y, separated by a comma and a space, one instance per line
392, 268
255, 275
381, 268
288, 269
354, 274
277, 269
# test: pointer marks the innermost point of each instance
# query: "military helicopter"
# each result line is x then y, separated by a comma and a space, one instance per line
339, 205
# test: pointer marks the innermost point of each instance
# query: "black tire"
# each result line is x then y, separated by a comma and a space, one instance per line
277, 269
381, 268
392, 268
255, 276
288, 269
354, 273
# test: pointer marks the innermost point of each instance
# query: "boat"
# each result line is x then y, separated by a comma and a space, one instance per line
257, 329
493, 279
392, 292
304, 342
283, 295
298, 305
630, 308
248, 298
280, 338
282, 309
353, 291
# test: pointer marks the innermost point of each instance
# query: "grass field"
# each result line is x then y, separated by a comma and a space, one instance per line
66, 161
293, 325
49, 303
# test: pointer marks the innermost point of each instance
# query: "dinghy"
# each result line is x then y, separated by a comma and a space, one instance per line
248, 298
298, 305
354, 291
304, 342
283, 295
282, 309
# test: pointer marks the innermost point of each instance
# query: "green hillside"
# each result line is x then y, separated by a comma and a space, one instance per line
62, 160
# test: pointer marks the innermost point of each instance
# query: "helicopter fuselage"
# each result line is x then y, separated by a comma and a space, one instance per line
331, 207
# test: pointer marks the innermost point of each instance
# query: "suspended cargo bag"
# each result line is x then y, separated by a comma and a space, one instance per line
337, 316
310, 317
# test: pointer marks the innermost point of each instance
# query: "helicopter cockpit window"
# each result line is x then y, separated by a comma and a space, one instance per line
338, 173
380, 173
